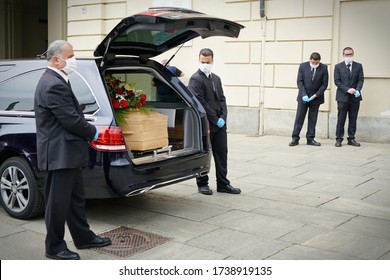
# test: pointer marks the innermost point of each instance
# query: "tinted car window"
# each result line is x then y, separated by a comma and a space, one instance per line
151, 37
17, 94
83, 94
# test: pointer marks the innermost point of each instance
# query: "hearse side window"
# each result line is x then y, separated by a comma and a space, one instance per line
83, 94
17, 94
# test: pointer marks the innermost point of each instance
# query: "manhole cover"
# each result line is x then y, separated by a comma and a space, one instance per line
128, 241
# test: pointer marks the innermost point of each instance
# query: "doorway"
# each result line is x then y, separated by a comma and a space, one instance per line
23, 28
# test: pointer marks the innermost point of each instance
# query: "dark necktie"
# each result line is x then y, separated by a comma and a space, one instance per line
349, 68
312, 73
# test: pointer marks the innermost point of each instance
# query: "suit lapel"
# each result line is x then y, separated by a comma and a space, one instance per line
75, 101
57, 75
308, 72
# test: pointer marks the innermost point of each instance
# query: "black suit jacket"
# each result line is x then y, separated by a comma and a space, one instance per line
345, 80
62, 131
210, 94
309, 87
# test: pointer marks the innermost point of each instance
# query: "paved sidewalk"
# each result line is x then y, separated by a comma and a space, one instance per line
303, 202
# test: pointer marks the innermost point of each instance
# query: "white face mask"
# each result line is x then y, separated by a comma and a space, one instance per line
348, 59
205, 68
71, 65
314, 65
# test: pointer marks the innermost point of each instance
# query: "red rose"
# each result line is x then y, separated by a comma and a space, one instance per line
124, 103
119, 91
116, 104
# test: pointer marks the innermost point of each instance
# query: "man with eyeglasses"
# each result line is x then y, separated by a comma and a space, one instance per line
349, 79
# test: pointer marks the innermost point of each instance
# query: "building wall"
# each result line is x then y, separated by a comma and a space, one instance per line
367, 35
57, 29
259, 68
23, 28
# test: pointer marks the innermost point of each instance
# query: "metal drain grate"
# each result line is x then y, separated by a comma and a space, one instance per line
128, 241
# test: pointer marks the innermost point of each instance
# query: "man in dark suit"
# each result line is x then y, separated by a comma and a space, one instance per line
207, 87
349, 79
312, 82
62, 149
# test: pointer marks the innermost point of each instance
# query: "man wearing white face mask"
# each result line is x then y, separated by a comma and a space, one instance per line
312, 82
207, 87
62, 150
70, 65
349, 79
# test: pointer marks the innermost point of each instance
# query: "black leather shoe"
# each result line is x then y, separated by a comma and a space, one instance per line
338, 144
96, 242
205, 190
313, 143
293, 143
64, 255
229, 189
353, 143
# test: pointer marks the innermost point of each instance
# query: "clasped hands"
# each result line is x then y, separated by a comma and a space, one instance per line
354, 92
307, 99
220, 122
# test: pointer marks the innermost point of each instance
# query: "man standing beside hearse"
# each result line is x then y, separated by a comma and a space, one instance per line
62, 150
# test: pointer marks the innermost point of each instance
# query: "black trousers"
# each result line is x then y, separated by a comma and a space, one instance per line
65, 202
351, 109
311, 120
219, 149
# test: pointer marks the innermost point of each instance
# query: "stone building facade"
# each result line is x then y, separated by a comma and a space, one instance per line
259, 69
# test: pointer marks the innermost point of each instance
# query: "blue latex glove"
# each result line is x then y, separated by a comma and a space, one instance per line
220, 122
96, 135
305, 98
357, 93
311, 98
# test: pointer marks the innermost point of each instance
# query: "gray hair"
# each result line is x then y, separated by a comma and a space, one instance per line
55, 48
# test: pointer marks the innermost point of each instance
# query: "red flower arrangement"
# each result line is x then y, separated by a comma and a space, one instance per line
125, 97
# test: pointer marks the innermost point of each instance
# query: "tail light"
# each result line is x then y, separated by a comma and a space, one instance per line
110, 139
